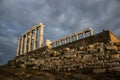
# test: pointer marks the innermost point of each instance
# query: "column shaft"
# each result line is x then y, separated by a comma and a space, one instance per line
60, 42
22, 43
18, 48
70, 39
91, 32
41, 35
83, 34
30, 41
26, 43
65, 41
55, 44
35, 39
76, 36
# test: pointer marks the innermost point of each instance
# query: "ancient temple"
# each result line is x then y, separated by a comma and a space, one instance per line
33, 39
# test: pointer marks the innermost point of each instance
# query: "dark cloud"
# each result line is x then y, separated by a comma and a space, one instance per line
60, 18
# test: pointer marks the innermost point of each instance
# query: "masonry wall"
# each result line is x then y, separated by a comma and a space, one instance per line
100, 37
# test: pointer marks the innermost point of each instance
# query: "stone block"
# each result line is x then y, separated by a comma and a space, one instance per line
99, 70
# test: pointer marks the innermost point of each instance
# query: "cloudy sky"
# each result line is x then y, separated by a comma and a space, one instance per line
61, 17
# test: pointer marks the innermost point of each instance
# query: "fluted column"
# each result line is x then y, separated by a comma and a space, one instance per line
41, 34
22, 44
55, 44
35, 38
91, 32
18, 48
60, 42
30, 41
65, 41
70, 39
26, 43
83, 34
76, 36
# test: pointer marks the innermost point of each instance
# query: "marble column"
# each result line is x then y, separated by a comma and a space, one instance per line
83, 34
41, 35
65, 41
55, 44
26, 43
35, 38
22, 44
30, 41
70, 39
18, 48
76, 36
91, 32
60, 42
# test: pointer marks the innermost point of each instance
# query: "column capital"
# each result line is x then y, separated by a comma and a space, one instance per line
41, 25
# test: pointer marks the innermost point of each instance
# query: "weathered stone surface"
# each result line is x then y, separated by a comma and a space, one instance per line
96, 56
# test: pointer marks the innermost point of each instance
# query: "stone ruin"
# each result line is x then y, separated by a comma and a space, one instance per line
96, 52
29, 40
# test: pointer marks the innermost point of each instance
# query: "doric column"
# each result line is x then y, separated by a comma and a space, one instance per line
30, 40
60, 42
35, 38
18, 48
26, 43
55, 44
91, 32
70, 39
41, 34
65, 41
22, 45
76, 36
83, 34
